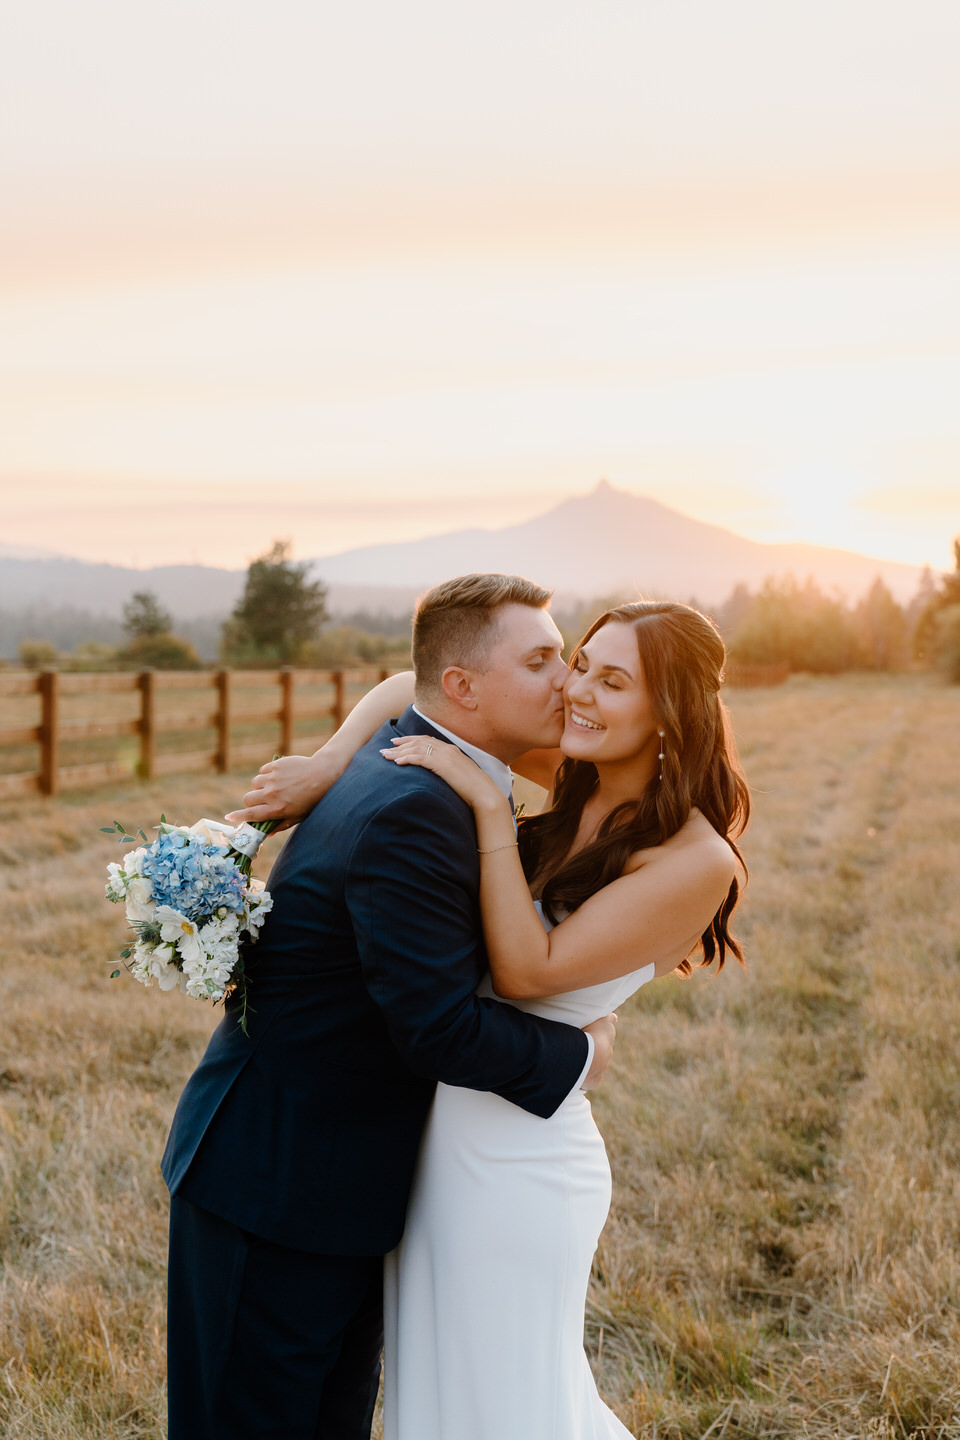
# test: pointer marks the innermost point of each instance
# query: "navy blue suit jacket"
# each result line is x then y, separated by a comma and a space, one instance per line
361, 996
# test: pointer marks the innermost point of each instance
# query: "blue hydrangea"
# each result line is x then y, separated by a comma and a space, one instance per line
193, 876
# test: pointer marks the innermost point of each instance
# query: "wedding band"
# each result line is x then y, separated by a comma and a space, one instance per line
429, 750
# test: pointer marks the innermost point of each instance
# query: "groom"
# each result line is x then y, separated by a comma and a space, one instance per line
292, 1149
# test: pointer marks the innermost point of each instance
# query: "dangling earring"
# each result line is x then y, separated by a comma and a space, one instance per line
660, 757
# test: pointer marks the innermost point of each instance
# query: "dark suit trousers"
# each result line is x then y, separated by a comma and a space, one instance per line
266, 1343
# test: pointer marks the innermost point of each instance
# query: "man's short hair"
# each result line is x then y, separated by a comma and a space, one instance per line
456, 623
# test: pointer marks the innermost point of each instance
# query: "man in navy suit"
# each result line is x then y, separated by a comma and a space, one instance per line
292, 1150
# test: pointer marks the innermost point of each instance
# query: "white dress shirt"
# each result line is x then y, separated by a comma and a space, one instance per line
502, 776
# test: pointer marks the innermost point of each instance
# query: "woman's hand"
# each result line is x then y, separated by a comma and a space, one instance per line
460, 772
288, 788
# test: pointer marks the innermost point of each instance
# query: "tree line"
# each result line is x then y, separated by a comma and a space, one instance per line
282, 619
799, 624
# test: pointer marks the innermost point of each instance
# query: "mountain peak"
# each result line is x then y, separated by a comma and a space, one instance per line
611, 541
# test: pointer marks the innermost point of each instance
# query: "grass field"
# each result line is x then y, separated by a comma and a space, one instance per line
783, 1257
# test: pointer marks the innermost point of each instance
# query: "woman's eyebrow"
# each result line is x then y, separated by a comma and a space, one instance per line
619, 668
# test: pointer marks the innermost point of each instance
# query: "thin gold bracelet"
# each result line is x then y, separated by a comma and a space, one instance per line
494, 848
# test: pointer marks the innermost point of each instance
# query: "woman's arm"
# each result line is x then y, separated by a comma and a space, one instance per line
289, 787
656, 914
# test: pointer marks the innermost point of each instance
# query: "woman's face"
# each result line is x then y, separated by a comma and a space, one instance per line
608, 714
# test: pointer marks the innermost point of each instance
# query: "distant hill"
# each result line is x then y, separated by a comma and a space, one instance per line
188, 590
607, 542
612, 542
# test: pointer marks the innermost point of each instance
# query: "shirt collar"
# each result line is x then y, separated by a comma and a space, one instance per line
499, 773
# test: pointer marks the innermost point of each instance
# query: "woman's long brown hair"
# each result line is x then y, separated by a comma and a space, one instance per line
681, 657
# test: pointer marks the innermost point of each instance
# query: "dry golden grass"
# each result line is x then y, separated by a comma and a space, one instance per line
783, 1258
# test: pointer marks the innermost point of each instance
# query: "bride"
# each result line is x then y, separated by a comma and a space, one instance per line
485, 1295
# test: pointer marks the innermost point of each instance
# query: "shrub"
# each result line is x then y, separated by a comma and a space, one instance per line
158, 652
947, 641
347, 645
37, 654
92, 655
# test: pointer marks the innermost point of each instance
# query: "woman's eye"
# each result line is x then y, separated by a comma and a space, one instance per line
611, 684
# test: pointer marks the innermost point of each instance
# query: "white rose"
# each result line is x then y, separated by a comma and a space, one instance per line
140, 889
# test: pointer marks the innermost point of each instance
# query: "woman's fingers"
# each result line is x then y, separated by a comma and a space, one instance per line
251, 813
418, 750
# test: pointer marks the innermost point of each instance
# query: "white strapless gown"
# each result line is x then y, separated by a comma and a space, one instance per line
484, 1297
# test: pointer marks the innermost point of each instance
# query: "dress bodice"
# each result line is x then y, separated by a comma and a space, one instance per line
578, 1007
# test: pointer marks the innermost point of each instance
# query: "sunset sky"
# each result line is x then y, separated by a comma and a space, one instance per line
347, 274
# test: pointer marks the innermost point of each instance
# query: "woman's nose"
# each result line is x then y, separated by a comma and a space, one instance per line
574, 685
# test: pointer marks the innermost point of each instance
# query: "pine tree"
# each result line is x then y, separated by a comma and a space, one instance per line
278, 614
142, 615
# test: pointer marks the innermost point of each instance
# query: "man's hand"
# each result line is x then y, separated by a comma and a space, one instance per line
604, 1033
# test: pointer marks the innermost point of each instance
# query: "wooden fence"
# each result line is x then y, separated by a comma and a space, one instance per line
157, 730
50, 731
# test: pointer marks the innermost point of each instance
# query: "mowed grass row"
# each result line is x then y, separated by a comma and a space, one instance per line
782, 1255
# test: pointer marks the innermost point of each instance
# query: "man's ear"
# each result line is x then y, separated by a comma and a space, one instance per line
457, 685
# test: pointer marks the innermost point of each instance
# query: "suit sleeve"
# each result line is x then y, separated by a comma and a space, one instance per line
412, 895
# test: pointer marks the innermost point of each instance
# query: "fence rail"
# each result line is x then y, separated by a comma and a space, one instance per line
51, 731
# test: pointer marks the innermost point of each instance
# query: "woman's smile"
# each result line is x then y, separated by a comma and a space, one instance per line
576, 718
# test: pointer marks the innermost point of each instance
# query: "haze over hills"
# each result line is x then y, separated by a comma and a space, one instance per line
607, 542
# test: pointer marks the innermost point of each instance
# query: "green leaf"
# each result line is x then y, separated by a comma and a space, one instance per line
114, 974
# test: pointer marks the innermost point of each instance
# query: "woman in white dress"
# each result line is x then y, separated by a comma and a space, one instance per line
634, 867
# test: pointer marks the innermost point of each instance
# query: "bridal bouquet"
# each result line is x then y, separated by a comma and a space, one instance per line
191, 903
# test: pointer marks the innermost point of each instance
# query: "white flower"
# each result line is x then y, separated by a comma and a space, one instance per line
133, 860
140, 889
168, 978
224, 926
259, 905
116, 886
177, 929
150, 963
139, 902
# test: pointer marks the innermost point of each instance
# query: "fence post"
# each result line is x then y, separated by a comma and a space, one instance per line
222, 760
339, 699
48, 683
147, 683
286, 710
